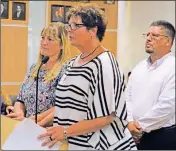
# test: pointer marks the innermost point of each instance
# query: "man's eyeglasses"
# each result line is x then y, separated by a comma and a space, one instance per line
153, 36
73, 26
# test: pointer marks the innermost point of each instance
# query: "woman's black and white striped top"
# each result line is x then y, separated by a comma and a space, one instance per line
93, 90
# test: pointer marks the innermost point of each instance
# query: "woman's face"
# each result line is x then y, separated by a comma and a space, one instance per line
49, 46
79, 36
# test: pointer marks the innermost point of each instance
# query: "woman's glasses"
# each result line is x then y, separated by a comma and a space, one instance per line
73, 26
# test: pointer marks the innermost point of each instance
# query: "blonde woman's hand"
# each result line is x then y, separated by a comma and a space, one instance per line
38, 121
9, 109
16, 116
32, 118
39, 117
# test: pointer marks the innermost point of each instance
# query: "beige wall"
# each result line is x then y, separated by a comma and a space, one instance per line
14, 51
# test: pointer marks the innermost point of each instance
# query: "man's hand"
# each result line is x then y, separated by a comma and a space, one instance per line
135, 130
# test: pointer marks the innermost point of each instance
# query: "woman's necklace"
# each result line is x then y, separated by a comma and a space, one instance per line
89, 53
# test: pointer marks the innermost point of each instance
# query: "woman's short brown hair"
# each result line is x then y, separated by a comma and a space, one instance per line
92, 16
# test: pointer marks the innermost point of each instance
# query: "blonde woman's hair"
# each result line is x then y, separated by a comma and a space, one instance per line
55, 31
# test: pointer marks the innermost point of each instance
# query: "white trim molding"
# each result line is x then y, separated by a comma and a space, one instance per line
10, 83
14, 25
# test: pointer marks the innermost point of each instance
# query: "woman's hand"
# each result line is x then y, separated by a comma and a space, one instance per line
39, 120
16, 116
32, 117
55, 134
9, 109
39, 117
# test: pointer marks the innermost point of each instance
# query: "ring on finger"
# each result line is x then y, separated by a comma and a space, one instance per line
51, 138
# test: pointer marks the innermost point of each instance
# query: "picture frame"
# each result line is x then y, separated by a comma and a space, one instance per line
57, 13
65, 15
4, 9
19, 11
109, 1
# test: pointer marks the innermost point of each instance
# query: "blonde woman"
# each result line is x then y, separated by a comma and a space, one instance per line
54, 43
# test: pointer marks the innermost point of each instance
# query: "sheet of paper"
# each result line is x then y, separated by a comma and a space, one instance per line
24, 137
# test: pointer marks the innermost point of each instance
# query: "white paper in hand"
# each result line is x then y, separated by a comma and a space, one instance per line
24, 137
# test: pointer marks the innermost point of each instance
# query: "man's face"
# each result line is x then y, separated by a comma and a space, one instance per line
18, 8
156, 40
2, 7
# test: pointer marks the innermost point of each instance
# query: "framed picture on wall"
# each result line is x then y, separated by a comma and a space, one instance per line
109, 1
19, 11
65, 16
57, 13
4, 9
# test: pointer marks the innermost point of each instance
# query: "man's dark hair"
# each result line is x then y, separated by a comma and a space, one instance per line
169, 28
91, 16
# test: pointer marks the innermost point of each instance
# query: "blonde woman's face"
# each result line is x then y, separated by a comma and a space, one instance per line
49, 46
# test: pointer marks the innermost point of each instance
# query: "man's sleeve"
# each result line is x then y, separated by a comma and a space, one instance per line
164, 110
